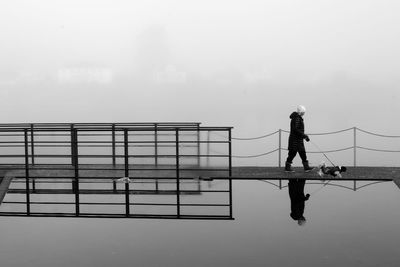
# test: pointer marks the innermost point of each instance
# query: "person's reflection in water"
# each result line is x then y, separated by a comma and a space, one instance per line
297, 200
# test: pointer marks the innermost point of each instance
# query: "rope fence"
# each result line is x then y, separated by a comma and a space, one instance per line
256, 138
256, 156
378, 150
380, 135
329, 151
280, 148
326, 133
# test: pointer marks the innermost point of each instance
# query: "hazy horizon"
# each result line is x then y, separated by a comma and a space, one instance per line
222, 63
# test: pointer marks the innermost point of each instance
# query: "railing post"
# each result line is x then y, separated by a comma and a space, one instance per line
280, 155
126, 157
230, 173
355, 146
355, 152
156, 150
76, 171
73, 153
156, 144
114, 162
28, 202
72, 145
178, 191
113, 144
198, 146
32, 156
32, 146
208, 148
280, 148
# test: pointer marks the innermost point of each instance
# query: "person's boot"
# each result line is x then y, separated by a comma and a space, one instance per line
307, 168
288, 167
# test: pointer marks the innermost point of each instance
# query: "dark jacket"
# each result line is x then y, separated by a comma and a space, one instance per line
297, 198
297, 135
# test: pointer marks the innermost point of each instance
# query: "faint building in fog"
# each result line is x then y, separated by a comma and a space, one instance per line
72, 75
170, 75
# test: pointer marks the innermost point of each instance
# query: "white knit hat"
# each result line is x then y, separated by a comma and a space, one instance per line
301, 109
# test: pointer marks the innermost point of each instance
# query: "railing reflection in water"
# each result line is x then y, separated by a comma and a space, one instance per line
73, 170
355, 184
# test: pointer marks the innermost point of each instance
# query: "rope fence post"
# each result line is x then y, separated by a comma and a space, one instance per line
355, 152
280, 148
280, 155
355, 146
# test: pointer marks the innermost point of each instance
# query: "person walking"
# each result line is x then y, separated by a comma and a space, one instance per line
296, 140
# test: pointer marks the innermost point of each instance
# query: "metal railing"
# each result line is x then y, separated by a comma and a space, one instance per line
165, 163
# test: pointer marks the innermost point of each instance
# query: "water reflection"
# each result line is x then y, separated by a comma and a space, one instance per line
105, 197
356, 228
301, 191
149, 198
297, 200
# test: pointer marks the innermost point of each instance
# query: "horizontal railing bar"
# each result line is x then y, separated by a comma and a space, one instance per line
133, 129
111, 178
68, 181
115, 204
111, 156
99, 145
115, 142
144, 167
110, 215
12, 142
80, 134
133, 169
90, 124
67, 192
38, 203
107, 191
84, 203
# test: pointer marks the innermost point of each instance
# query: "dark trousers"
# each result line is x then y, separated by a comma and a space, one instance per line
292, 154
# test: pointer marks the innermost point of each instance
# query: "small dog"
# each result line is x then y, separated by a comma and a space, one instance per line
335, 171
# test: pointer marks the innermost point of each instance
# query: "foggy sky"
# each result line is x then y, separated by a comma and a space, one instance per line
246, 64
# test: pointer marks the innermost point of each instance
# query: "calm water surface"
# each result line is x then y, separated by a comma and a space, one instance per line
344, 228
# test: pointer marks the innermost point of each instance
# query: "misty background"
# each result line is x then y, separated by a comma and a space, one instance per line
245, 64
